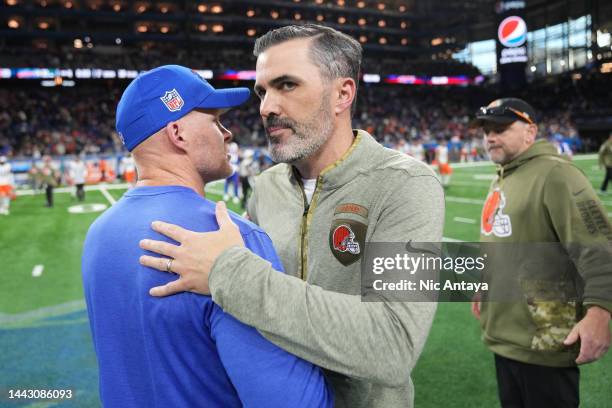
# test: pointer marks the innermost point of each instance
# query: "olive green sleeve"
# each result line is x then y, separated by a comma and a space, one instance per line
583, 228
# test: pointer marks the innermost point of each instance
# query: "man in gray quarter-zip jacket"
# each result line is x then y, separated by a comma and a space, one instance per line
335, 190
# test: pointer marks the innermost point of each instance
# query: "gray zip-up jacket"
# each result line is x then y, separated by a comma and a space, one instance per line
315, 311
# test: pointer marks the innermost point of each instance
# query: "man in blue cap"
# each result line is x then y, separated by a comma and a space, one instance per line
183, 351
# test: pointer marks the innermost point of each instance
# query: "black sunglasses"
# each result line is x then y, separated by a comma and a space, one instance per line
502, 110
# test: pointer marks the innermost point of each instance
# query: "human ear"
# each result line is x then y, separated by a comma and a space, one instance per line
346, 91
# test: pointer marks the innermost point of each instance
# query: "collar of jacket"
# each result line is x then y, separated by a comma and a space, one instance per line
538, 149
359, 158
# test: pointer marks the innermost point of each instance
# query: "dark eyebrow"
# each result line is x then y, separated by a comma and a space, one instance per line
284, 78
277, 81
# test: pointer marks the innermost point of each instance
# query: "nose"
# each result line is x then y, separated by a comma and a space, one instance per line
269, 105
227, 135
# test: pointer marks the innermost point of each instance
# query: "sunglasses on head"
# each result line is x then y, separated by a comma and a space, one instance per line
502, 110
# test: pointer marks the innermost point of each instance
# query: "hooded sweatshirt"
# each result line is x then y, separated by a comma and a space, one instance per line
551, 257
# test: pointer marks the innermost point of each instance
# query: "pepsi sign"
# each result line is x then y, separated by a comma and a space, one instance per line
512, 32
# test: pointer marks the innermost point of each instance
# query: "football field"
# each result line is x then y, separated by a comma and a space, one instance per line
44, 332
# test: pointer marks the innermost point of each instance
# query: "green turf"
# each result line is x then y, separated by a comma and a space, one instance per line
455, 369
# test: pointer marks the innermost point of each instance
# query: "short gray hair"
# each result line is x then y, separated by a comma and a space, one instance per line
336, 54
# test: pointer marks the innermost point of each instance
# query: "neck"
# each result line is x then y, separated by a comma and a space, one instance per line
164, 175
331, 151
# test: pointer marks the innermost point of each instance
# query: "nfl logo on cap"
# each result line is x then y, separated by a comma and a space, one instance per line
173, 101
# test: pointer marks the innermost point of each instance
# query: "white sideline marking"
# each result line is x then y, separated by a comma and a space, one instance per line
446, 239
484, 176
474, 184
37, 271
107, 195
464, 200
465, 220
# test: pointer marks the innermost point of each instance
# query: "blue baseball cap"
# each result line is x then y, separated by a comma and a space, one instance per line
165, 94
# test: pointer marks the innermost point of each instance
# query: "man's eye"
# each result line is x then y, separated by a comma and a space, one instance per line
260, 94
287, 86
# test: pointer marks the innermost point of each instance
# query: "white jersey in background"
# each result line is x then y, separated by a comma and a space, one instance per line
6, 176
77, 171
442, 151
417, 151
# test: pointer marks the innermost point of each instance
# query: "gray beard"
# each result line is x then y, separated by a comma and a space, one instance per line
306, 140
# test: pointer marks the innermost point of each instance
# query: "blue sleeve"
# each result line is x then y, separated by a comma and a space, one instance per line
263, 374
260, 243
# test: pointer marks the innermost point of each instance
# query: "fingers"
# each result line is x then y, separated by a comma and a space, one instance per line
161, 264
590, 350
169, 288
476, 310
587, 352
572, 337
170, 230
223, 217
160, 247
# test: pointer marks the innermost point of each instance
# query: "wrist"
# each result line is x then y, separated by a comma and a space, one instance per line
594, 310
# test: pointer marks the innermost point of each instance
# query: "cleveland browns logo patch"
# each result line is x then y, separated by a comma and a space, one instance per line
346, 240
493, 220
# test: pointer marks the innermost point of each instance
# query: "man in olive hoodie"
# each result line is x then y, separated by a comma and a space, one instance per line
605, 161
548, 305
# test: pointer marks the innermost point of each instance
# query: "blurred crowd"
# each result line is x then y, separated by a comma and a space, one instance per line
35, 121
226, 59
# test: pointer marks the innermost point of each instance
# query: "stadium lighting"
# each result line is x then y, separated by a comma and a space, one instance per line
217, 28
320, 17
43, 25
202, 8
341, 20
202, 27
216, 9
362, 21
78, 43
382, 40
251, 32
382, 23
13, 23
274, 14
250, 13
361, 4
297, 16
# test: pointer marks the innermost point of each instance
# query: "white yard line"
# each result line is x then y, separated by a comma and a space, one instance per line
107, 195
37, 271
464, 200
465, 220
446, 239
96, 187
